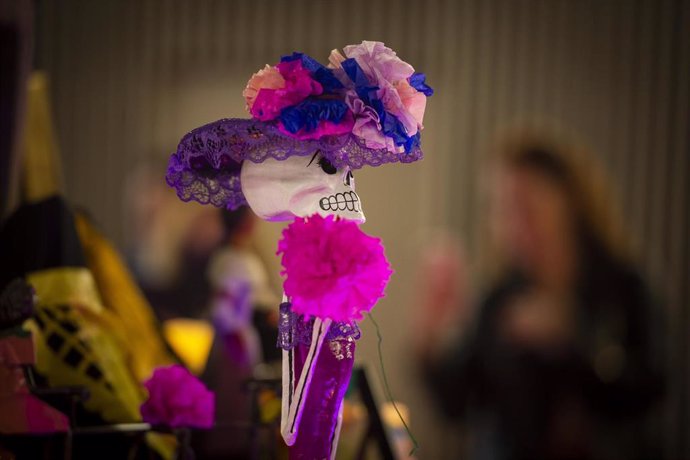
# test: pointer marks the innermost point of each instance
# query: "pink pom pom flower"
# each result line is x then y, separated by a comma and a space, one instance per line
177, 399
333, 270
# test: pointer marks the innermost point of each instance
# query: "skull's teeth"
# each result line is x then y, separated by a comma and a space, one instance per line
324, 204
340, 202
340, 198
355, 202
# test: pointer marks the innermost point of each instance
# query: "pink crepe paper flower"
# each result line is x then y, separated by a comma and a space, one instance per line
177, 399
380, 63
367, 125
385, 70
333, 269
390, 74
413, 100
393, 104
298, 85
267, 78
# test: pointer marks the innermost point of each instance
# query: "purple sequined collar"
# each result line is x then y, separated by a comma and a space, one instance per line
294, 329
206, 166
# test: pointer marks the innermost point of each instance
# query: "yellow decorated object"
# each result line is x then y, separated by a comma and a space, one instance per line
80, 343
92, 328
75, 345
137, 326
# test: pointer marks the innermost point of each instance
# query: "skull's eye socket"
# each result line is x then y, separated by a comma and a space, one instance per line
327, 167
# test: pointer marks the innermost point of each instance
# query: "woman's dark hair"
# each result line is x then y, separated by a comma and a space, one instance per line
598, 224
544, 160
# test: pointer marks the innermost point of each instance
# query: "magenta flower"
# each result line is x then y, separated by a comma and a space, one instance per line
177, 399
298, 85
333, 269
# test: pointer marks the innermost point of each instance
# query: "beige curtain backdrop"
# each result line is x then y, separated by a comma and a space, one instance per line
129, 78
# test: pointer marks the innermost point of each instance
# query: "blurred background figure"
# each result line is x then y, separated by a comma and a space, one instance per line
201, 271
243, 300
242, 311
562, 359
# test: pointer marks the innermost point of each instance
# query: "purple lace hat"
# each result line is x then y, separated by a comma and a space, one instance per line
365, 108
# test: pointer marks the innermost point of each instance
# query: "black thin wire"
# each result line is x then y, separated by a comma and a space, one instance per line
386, 387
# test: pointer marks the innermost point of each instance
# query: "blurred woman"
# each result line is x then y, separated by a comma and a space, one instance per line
242, 312
561, 360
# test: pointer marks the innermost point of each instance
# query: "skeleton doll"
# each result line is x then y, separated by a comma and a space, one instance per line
311, 126
316, 355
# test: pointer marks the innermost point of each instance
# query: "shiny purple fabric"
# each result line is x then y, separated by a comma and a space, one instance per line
206, 166
326, 392
294, 330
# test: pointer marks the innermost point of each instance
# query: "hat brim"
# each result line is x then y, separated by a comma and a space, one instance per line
206, 166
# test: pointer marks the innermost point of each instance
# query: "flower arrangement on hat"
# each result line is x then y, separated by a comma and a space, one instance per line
366, 90
364, 108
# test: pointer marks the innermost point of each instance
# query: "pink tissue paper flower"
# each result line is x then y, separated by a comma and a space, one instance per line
177, 399
413, 100
266, 78
333, 269
298, 85
380, 63
367, 125
390, 74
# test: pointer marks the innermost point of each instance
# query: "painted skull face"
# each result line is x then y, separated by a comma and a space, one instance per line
280, 190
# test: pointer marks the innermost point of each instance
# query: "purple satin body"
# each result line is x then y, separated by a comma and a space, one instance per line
328, 386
